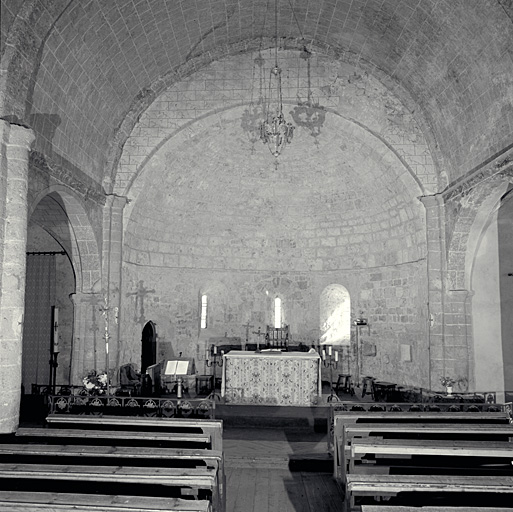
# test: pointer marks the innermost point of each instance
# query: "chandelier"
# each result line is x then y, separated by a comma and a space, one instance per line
275, 131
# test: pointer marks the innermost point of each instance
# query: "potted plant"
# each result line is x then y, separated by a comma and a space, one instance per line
95, 383
447, 382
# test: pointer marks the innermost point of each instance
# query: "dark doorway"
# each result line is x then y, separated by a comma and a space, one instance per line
149, 346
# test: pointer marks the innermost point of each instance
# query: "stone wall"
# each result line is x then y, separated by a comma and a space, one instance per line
391, 298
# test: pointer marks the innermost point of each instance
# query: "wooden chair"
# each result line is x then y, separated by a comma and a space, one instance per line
277, 337
129, 380
344, 384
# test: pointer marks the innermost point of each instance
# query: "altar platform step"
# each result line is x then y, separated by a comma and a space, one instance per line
310, 419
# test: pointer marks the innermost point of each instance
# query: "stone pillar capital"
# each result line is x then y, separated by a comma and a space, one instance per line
90, 299
16, 135
432, 201
115, 201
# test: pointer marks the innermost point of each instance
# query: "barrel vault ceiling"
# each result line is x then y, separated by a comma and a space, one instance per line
81, 72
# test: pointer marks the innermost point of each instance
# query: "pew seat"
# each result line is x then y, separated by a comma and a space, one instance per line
95, 436
385, 508
190, 477
418, 489
212, 428
22, 501
366, 453
125, 454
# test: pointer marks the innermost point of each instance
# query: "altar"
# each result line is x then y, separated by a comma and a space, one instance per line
271, 378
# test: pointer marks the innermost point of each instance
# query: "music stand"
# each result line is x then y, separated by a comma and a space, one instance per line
178, 368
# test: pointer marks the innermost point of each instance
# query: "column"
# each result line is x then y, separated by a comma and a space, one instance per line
15, 142
111, 276
436, 264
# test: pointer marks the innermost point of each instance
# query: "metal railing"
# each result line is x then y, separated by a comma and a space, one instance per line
132, 406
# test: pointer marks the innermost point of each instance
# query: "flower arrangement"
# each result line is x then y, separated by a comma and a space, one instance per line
95, 383
447, 381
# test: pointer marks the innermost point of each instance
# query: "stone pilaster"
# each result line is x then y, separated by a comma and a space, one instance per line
88, 342
111, 276
436, 265
15, 142
458, 339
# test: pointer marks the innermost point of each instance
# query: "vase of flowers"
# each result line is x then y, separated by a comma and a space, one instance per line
95, 383
448, 382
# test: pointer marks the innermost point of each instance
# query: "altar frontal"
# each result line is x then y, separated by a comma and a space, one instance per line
271, 378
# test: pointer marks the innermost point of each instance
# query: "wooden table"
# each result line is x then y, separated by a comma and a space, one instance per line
271, 378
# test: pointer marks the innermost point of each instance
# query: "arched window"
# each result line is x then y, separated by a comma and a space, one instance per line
277, 313
335, 315
203, 318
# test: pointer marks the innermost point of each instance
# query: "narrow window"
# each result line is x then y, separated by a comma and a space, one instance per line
335, 319
203, 324
277, 313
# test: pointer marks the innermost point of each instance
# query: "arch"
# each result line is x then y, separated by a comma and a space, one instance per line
335, 315
200, 62
148, 345
487, 268
77, 236
185, 131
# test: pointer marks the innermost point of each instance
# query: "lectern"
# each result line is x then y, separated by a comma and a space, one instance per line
177, 368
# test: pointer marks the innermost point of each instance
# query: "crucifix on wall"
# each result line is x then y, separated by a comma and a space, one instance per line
140, 293
248, 327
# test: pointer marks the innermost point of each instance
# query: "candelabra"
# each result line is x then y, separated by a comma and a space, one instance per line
214, 362
330, 361
53, 370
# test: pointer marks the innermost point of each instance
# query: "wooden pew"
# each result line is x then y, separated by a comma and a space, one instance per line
212, 428
18, 501
342, 418
378, 455
461, 432
188, 427
458, 489
199, 483
179, 450
385, 508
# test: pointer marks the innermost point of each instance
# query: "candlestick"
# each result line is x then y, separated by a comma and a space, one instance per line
214, 362
331, 363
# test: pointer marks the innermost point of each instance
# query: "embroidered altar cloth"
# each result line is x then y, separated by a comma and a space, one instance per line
271, 378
